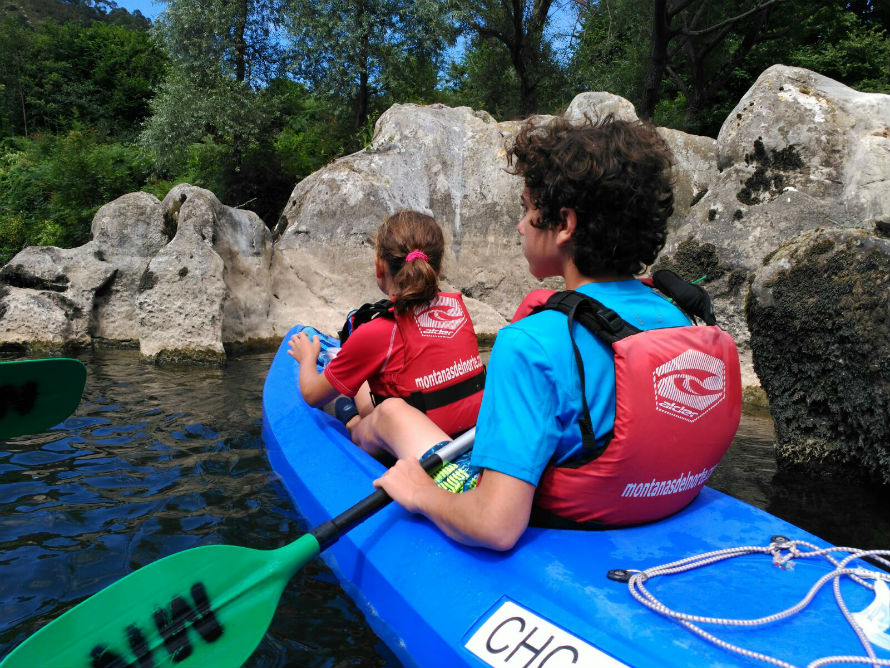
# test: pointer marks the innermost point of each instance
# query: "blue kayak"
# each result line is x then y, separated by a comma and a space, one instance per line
549, 602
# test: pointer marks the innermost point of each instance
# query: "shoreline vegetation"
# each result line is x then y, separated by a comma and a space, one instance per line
96, 102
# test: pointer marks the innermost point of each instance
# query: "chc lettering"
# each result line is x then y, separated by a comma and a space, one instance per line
533, 647
173, 625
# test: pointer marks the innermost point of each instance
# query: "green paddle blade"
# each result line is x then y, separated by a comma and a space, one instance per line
38, 394
207, 607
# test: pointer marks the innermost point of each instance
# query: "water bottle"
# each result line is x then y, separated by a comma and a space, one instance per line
329, 347
326, 354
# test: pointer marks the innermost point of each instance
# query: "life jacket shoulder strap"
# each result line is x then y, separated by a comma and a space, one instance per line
609, 327
692, 299
365, 313
602, 321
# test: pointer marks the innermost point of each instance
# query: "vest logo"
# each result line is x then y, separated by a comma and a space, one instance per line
442, 318
689, 385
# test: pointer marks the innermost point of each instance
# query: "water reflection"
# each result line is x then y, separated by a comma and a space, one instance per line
843, 513
156, 461
160, 460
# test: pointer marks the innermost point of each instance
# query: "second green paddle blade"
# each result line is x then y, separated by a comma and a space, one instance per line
38, 394
205, 607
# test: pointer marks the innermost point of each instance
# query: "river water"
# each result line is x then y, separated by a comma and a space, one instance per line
158, 460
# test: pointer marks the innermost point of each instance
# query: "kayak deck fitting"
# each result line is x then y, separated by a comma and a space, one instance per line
549, 601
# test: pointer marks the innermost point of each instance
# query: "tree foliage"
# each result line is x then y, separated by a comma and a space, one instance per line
247, 97
850, 47
222, 52
100, 75
607, 54
515, 29
362, 55
702, 55
52, 185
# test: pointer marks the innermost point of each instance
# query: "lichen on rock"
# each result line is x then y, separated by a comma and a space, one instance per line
819, 316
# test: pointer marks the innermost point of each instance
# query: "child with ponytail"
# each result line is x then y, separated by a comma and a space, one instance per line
418, 345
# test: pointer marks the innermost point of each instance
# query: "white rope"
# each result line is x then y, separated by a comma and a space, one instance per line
783, 552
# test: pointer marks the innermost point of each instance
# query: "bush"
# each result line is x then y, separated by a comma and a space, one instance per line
51, 186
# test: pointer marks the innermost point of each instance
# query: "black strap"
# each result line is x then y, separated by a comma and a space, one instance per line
608, 326
605, 323
364, 313
427, 401
693, 299
541, 517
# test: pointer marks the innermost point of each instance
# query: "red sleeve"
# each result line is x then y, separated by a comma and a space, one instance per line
534, 298
364, 354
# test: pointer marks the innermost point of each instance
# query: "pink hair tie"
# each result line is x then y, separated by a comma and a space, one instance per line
416, 255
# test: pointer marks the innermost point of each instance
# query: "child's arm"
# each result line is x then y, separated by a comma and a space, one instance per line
314, 387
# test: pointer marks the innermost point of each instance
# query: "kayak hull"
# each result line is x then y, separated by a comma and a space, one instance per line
547, 602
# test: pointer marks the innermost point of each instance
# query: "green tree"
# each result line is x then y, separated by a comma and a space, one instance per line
609, 51
686, 63
518, 28
222, 52
51, 186
829, 38
75, 79
847, 46
99, 75
365, 54
484, 78
697, 43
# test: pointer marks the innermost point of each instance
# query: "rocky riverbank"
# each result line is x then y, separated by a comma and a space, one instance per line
801, 162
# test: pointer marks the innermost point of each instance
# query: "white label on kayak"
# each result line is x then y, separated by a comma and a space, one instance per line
513, 637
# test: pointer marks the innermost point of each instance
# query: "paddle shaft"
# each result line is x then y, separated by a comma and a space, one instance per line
328, 532
208, 606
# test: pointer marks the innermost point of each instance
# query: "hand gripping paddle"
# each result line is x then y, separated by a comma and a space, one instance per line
207, 607
38, 394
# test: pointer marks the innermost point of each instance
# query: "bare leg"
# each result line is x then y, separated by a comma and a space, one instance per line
398, 429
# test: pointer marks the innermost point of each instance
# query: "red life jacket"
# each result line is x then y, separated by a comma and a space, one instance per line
442, 373
678, 404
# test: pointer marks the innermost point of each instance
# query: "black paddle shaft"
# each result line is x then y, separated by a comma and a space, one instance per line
328, 532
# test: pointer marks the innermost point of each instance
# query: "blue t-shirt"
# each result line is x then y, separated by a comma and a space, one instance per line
532, 401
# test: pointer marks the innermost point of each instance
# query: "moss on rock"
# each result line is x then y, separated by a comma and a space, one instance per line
820, 337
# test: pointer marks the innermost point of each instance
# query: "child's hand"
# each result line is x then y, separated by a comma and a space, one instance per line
304, 350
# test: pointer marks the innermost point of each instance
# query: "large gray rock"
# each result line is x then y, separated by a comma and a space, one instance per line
47, 296
179, 279
127, 233
189, 274
799, 151
55, 298
450, 163
819, 315
209, 285
180, 297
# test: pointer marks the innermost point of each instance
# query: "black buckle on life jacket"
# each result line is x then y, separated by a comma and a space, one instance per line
610, 320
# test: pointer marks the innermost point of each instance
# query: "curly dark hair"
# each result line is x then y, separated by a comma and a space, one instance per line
614, 173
